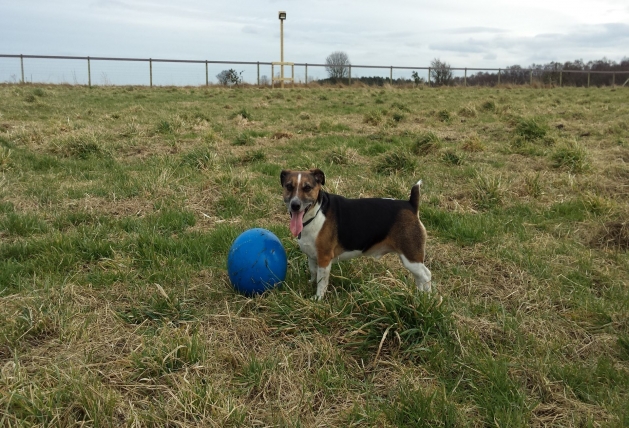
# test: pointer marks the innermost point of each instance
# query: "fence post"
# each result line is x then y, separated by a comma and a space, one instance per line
531, 77
22, 66
272, 76
588, 79
499, 76
292, 74
258, 73
207, 80
350, 74
89, 73
465, 79
151, 70
391, 76
560, 78
613, 79
306, 74
429, 84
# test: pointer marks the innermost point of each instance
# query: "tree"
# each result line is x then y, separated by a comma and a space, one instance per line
337, 65
418, 80
440, 72
229, 77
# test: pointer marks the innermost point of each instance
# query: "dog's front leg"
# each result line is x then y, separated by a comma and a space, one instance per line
312, 265
323, 276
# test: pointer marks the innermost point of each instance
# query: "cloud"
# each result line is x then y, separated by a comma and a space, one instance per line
475, 30
249, 29
467, 46
590, 41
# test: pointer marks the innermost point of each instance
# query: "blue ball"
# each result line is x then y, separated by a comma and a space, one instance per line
256, 262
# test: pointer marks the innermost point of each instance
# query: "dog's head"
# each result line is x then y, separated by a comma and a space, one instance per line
301, 193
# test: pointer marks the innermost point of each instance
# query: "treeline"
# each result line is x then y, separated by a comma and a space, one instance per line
367, 80
571, 73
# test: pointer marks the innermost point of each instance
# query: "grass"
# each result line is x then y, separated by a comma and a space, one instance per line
531, 128
426, 143
118, 207
571, 156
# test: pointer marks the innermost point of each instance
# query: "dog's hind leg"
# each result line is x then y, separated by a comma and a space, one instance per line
420, 272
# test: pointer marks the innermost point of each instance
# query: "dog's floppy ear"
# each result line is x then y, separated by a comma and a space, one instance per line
318, 175
283, 175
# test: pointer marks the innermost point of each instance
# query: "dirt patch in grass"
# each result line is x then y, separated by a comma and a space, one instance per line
281, 135
612, 235
121, 208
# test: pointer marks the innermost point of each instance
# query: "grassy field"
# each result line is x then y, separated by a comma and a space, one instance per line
118, 206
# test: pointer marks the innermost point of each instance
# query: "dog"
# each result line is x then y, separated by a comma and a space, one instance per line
331, 227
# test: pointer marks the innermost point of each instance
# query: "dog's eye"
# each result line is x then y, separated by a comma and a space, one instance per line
289, 187
307, 188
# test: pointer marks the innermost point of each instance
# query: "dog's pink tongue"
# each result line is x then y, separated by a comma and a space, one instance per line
296, 222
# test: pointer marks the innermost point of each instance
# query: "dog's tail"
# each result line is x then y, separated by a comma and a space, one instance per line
415, 194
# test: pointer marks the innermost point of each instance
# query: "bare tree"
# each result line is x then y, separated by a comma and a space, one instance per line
229, 77
337, 65
440, 72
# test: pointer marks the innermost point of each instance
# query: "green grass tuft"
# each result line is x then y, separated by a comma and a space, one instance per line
426, 143
451, 157
570, 156
373, 117
15, 224
396, 162
488, 190
415, 406
444, 115
532, 129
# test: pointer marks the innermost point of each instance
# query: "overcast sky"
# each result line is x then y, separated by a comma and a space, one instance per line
477, 33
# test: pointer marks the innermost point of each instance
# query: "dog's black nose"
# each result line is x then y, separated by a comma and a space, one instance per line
295, 206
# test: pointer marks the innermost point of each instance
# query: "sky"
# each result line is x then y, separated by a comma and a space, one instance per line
479, 33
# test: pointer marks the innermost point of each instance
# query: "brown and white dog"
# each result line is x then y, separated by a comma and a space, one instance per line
332, 228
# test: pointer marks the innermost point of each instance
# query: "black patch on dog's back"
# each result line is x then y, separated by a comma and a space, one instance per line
362, 223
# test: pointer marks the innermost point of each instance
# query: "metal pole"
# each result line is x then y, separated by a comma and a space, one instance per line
272, 76
207, 80
89, 73
350, 75
258, 73
560, 78
282, 53
306, 74
429, 83
588, 79
22, 65
465, 76
499, 76
531, 77
391, 76
151, 70
292, 74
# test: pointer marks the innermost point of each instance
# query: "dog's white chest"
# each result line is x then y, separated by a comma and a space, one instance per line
308, 239
307, 245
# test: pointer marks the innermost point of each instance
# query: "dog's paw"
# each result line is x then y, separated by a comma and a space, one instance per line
316, 298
